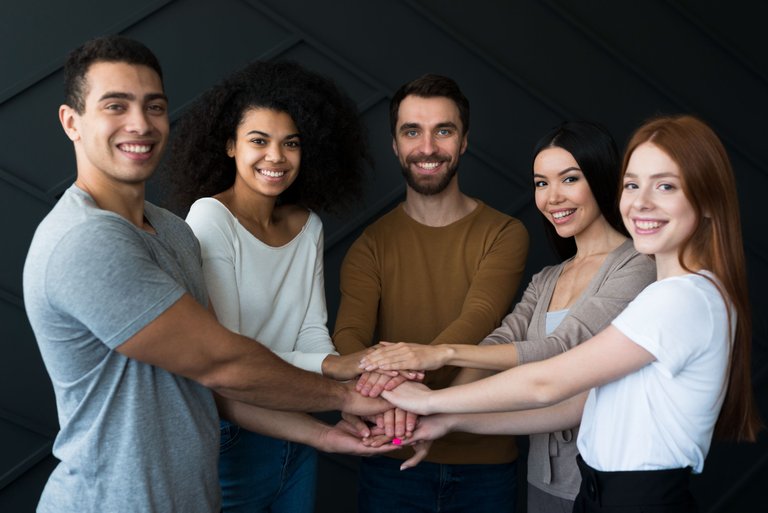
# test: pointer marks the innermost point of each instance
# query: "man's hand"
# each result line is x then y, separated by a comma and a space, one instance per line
357, 404
397, 423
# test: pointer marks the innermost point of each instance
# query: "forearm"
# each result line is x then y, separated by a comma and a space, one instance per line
521, 388
252, 374
558, 417
492, 357
291, 426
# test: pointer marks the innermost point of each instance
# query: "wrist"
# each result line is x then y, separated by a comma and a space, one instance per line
448, 354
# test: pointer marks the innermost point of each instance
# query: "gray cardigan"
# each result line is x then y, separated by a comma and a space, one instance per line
624, 273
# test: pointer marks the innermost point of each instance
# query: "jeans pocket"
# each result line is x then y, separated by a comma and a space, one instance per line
230, 434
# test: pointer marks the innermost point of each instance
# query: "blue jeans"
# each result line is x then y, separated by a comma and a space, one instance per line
432, 487
262, 474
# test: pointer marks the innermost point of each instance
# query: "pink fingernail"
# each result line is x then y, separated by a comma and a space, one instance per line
396, 441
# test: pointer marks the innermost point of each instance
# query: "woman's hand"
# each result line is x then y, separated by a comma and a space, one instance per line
405, 356
410, 396
372, 384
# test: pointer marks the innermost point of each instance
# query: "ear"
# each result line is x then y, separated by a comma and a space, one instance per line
394, 147
230, 148
69, 118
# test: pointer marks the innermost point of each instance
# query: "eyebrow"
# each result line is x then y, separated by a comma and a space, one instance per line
560, 173
665, 174
117, 95
265, 134
443, 124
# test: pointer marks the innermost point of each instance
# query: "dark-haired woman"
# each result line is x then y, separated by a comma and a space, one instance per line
258, 154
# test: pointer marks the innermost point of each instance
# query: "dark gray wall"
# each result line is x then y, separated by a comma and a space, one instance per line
525, 66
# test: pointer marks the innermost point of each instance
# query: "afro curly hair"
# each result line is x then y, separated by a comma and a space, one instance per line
334, 148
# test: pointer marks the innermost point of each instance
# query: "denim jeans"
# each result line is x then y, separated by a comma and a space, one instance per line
433, 487
262, 474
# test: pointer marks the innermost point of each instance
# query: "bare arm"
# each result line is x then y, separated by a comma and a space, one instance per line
187, 340
405, 355
558, 417
295, 427
602, 359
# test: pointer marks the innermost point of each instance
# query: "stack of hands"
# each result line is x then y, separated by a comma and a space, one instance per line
388, 372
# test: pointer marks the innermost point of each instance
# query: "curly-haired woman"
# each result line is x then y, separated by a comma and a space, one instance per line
258, 154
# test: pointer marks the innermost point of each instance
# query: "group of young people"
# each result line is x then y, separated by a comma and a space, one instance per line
621, 362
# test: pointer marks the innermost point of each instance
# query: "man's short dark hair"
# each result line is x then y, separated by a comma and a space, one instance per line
102, 49
430, 86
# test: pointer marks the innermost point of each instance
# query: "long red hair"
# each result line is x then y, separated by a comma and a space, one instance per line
715, 244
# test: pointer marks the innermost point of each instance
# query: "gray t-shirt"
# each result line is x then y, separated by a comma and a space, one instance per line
133, 437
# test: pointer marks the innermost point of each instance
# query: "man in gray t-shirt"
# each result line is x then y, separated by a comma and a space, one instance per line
114, 292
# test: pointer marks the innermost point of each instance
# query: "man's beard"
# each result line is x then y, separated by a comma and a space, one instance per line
428, 188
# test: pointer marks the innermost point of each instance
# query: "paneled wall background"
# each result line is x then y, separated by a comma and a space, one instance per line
525, 66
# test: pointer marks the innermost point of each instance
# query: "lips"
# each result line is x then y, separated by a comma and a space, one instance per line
137, 150
561, 216
645, 226
272, 173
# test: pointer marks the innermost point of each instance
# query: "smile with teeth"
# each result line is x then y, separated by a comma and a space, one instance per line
648, 225
560, 214
428, 166
136, 148
271, 173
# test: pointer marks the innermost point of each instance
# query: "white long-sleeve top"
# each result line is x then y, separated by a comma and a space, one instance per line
275, 295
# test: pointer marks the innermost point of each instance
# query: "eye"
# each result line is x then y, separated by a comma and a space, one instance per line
666, 187
570, 179
259, 141
116, 107
411, 133
293, 143
539, 183
630, 185
156, 108
444, 132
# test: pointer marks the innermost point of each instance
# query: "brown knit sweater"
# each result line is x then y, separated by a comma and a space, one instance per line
403, 281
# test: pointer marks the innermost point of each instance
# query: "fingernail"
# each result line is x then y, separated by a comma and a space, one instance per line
404, 467
396, 441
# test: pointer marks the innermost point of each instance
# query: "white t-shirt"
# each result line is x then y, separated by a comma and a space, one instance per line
663, 415
275, 295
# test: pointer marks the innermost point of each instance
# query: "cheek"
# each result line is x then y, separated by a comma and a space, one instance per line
540, 198
624, 203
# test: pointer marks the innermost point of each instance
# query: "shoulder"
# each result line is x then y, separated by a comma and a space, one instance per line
210, 215
681, 297
386, 225
208, 209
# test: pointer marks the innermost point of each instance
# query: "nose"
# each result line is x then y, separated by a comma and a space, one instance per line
274, 153
554, 195
427, 146
139, 122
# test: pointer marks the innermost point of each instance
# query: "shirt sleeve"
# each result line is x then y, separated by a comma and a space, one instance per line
360, 284
213, 229
493, 288
670, 319
104, 276
314, 341
515, 325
